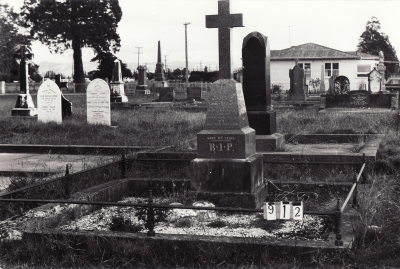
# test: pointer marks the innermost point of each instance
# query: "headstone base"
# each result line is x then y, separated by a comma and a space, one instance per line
269, 142
241, 180
24, 106
25, 112
264, 122
297, 97
142, 89
118, 99
235, 144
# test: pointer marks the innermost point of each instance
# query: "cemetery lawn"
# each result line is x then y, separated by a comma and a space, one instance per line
166, 127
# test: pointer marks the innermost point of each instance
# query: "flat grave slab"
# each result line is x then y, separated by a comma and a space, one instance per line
321, 148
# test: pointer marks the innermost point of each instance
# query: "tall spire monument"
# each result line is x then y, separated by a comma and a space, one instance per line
227, 170
159, 76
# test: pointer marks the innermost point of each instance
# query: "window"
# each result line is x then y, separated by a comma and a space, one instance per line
331, 69
307, 69
363, 70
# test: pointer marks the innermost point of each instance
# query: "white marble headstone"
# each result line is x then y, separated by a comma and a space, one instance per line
3, 87
49, 102
98, 102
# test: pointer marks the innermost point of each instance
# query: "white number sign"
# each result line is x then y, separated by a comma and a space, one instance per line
269, 211
283, 210
298, 211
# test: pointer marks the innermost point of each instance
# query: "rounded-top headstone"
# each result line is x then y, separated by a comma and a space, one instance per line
49, 102
98, 102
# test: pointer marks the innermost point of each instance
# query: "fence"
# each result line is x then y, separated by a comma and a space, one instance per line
73, 183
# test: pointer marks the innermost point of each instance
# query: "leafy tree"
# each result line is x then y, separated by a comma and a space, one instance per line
106, 65
372, 41
64, 24
10, 38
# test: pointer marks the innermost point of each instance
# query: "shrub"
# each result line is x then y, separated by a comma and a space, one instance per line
119, 224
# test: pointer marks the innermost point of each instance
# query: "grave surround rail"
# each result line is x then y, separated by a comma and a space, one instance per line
122, 164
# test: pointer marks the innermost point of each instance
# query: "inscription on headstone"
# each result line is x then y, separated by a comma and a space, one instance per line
98, 102
358, 98
49, 102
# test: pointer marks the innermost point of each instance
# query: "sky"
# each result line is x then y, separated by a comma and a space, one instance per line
334, 24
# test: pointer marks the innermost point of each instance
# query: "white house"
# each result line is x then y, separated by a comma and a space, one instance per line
315, 58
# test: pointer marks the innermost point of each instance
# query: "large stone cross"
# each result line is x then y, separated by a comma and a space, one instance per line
23, 55
224, 21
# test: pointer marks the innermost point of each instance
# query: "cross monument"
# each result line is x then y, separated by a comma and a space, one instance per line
227, 170
24, 105
224, 21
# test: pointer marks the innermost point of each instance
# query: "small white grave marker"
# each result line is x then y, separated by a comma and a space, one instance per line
298, 211
49, 102
98, 102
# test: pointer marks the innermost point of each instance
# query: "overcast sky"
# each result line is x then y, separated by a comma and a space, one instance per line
334, 24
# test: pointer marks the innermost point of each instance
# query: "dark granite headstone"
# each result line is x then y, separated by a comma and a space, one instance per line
66, 107
194, 93
166, 94
296, 92
142, 87
331, 89
256, 83
358, 98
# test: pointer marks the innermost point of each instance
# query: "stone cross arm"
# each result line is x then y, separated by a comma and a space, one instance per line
224, 21
229, 20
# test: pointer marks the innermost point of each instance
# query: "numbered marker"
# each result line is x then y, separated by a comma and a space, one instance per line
269, 211
298, 211
285, 210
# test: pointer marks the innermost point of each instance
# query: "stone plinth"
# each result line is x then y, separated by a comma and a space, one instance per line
24, 106
230, 182
142, 87
269, 142
117, 85
227, 165
118, 93
194, 93
235, 144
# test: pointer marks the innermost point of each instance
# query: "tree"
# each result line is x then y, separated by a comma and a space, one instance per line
10, 38
64, 24
372, 41
106, 65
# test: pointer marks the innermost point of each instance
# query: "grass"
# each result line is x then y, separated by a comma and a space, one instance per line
377, 231
134, 127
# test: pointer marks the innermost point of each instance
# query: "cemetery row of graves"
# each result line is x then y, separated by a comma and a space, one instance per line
292, 183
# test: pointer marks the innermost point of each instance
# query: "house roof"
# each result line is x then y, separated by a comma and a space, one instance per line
311, 51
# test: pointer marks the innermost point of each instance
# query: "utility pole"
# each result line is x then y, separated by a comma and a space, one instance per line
165, 61
187, 72
138, 52
200, 65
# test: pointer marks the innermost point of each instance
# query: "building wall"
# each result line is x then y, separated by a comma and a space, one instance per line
348, 68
